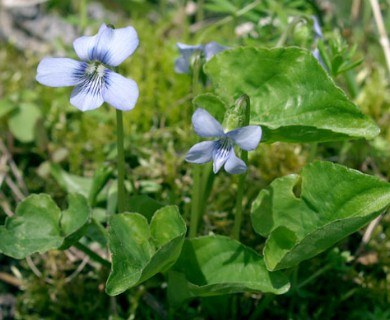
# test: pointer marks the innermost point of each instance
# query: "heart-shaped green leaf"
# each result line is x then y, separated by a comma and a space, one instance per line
140, 251
216, 265
292, 97
332, 202
39, 225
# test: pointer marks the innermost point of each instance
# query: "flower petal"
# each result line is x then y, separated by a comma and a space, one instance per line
201, 152
221, 153
187, 50
247, 138
213, 48
234, 165
60, 72
182, 64
110, 46
205, 125
85, 98
120, 92
84, 45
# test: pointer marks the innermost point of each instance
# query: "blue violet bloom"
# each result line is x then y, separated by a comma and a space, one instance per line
221, 151
94, 81
182, 64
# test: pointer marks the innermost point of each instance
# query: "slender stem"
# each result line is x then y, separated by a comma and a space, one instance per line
243, 103
288, 31
121, 162
314, 276
231, 18
196, 197
200, 11
264, 303
93, 255
240, 195
83, 15
195, 201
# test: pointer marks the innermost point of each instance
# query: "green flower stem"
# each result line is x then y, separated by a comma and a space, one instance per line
290, 28
243, 105
83, 15
229, 19
240, 195
314, 275
93, 255
196, 196
200, 11
262, 306
120, 162
195, 201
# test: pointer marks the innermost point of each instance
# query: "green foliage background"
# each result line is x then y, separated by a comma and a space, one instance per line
352, 279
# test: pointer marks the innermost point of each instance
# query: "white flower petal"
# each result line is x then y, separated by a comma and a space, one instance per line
234, 165
205, 125
110, 46
120, 92
247, 138
84, 98
84, 46
201, 152
60, 72
116, 45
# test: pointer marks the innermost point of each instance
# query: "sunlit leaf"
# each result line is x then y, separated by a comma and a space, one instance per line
39, 225
216, 265
140, 251
292, 97
303, 215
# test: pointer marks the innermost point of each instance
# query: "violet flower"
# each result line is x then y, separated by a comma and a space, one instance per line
221, 151
94, 81
183, 63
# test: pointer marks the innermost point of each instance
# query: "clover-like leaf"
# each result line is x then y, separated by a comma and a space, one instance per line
292, 97
39, 225
140, 251
303, 215
216, 265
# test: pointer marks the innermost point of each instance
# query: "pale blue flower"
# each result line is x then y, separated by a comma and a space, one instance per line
182, 64
94, 81
221, 151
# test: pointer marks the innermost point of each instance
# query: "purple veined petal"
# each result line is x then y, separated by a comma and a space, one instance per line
247, 138
221, 153
86, 97
110, 46
234, 165
205, 125
115, 45
84, 46
60, 72
201, 152
213, 48
122, 93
